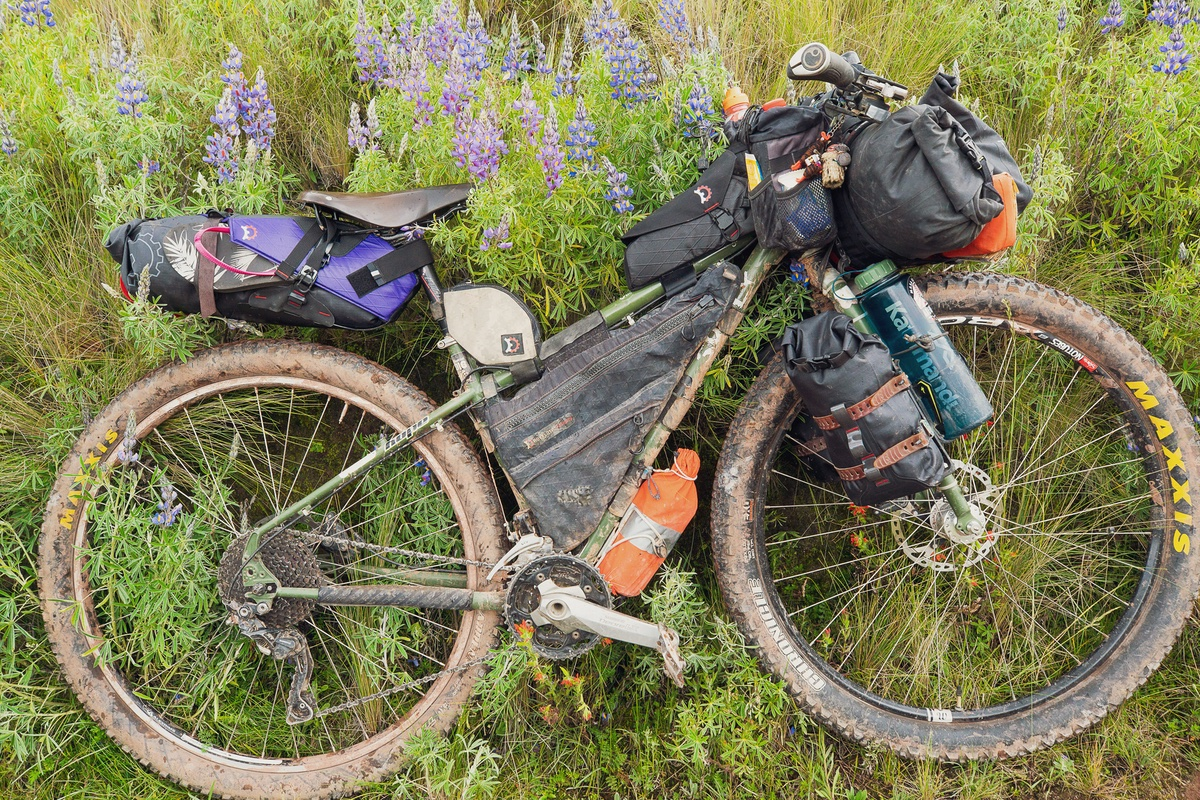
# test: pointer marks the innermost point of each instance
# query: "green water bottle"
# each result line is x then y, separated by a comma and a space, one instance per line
905, 323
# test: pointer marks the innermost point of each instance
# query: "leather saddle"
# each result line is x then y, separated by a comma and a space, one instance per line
390, 209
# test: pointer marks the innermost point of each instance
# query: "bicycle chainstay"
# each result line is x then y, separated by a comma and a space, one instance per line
327, 539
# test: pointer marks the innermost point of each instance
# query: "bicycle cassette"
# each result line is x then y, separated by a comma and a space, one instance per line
524, 597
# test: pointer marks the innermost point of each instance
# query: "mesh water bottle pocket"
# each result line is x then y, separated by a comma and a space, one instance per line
793, 219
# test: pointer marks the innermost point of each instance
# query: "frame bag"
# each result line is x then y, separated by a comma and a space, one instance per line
270, 270
567, 440
871, 426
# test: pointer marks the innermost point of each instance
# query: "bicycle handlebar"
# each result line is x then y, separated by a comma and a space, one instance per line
816, 62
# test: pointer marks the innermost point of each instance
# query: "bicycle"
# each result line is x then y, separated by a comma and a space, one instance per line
330, 517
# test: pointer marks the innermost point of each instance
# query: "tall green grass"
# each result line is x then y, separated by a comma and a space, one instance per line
1111, 148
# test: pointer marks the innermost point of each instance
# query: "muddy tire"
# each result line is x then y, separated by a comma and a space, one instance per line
891, 636
129, 573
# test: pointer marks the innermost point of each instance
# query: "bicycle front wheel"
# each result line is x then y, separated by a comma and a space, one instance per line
143, 536
892, 627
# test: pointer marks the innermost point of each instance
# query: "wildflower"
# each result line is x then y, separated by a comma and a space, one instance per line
1114, 19
56, 72
36, 12
496, 237
524, 629
415, 84
478, 143
474, 44
531, 116
799, 273
672, 19
442, 37
127, 453
1062, 19
541, 64
258, 113
457, 93
1175, 50
168, 510
626, 65
149, 168
1170, 13
600, 23
570, 681
367, 47
855, 541
859, 511
550, 714
130, 91
222, 147
232, 75
116, 48
585, 713
516, 59
8, 145
356, 132
618, 193
698, 112
551, 154
565, 79
406, 34
580, 138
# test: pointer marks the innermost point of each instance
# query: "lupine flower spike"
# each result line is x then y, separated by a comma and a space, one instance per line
580, 135
541, 64
35, 13
356, 131
474, 44
618, 193
415, 86
258, 113
698, 112
1175, 50
565, 78
443, 36
130, 91
478, 142
672, 19
1062, 19
168, 510
496, 237
516, 60
116, 48
1114, 19
457, 93
367, 48
531, 116
222, 147
8, 145
1170, 13
56, 72
551, 154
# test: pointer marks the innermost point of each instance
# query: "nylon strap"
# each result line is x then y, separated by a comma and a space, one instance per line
307, 242
862, 408
890, 457
402, 261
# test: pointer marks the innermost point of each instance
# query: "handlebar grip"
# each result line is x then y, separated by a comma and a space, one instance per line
816, 62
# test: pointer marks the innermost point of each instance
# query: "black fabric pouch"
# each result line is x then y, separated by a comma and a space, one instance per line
872, 429
714, 212
568, 439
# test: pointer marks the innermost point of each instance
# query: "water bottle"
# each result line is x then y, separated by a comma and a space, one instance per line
904, 321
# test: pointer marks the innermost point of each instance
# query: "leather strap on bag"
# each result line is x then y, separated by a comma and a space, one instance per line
893, 455
862, 408
206, 272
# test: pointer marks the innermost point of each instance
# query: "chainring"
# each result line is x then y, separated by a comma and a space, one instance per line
289, 559
524, 597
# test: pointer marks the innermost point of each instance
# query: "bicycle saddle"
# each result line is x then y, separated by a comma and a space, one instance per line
390, 209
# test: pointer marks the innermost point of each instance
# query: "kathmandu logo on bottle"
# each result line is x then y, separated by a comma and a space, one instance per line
703, 192
945, 396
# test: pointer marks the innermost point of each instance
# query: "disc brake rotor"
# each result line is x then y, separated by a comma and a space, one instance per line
927, 532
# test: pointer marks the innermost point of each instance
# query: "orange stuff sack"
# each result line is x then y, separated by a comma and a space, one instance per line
999, 234
662, 508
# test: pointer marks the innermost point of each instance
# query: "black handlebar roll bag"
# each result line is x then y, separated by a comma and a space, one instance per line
919, 183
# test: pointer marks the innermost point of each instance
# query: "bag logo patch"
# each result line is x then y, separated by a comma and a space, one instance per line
512, 344
703, 192
249, 232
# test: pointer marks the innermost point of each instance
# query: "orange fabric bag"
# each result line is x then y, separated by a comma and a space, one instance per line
999, 234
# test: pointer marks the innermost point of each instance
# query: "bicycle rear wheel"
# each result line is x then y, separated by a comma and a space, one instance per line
891, 628
156, 495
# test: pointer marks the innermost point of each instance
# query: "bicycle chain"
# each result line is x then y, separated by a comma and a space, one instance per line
325, 539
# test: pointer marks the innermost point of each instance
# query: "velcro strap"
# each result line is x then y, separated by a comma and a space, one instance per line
395, 265
307, 242
864, 407
890, 457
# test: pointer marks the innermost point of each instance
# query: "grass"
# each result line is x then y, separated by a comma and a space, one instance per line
1116, 201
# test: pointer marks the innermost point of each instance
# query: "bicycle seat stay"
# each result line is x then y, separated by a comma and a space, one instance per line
390, 209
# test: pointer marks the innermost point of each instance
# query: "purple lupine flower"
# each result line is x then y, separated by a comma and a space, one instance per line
168, 510
541, 64
580, 135
415, 85
371, 124
367, 45
127, 453
131, 90
1175, 50
457, 92
231, 67
1062, 19
35, 13
627, 70
258, 113
1114, 19
474, 44
56, 72
406, 33
383, 53
551, 154
478, 143
618, 193
116, 48
221, 148
148, 168
672, 19
531, 115
600, 23
566, 78
1170, 13
516, 59
442, 37
698, 113
47, 14
496, 237
357, 136
8, 145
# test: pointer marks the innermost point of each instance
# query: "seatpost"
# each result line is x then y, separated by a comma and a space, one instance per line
433, 288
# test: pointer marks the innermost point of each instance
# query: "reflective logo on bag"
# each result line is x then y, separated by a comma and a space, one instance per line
512, 344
